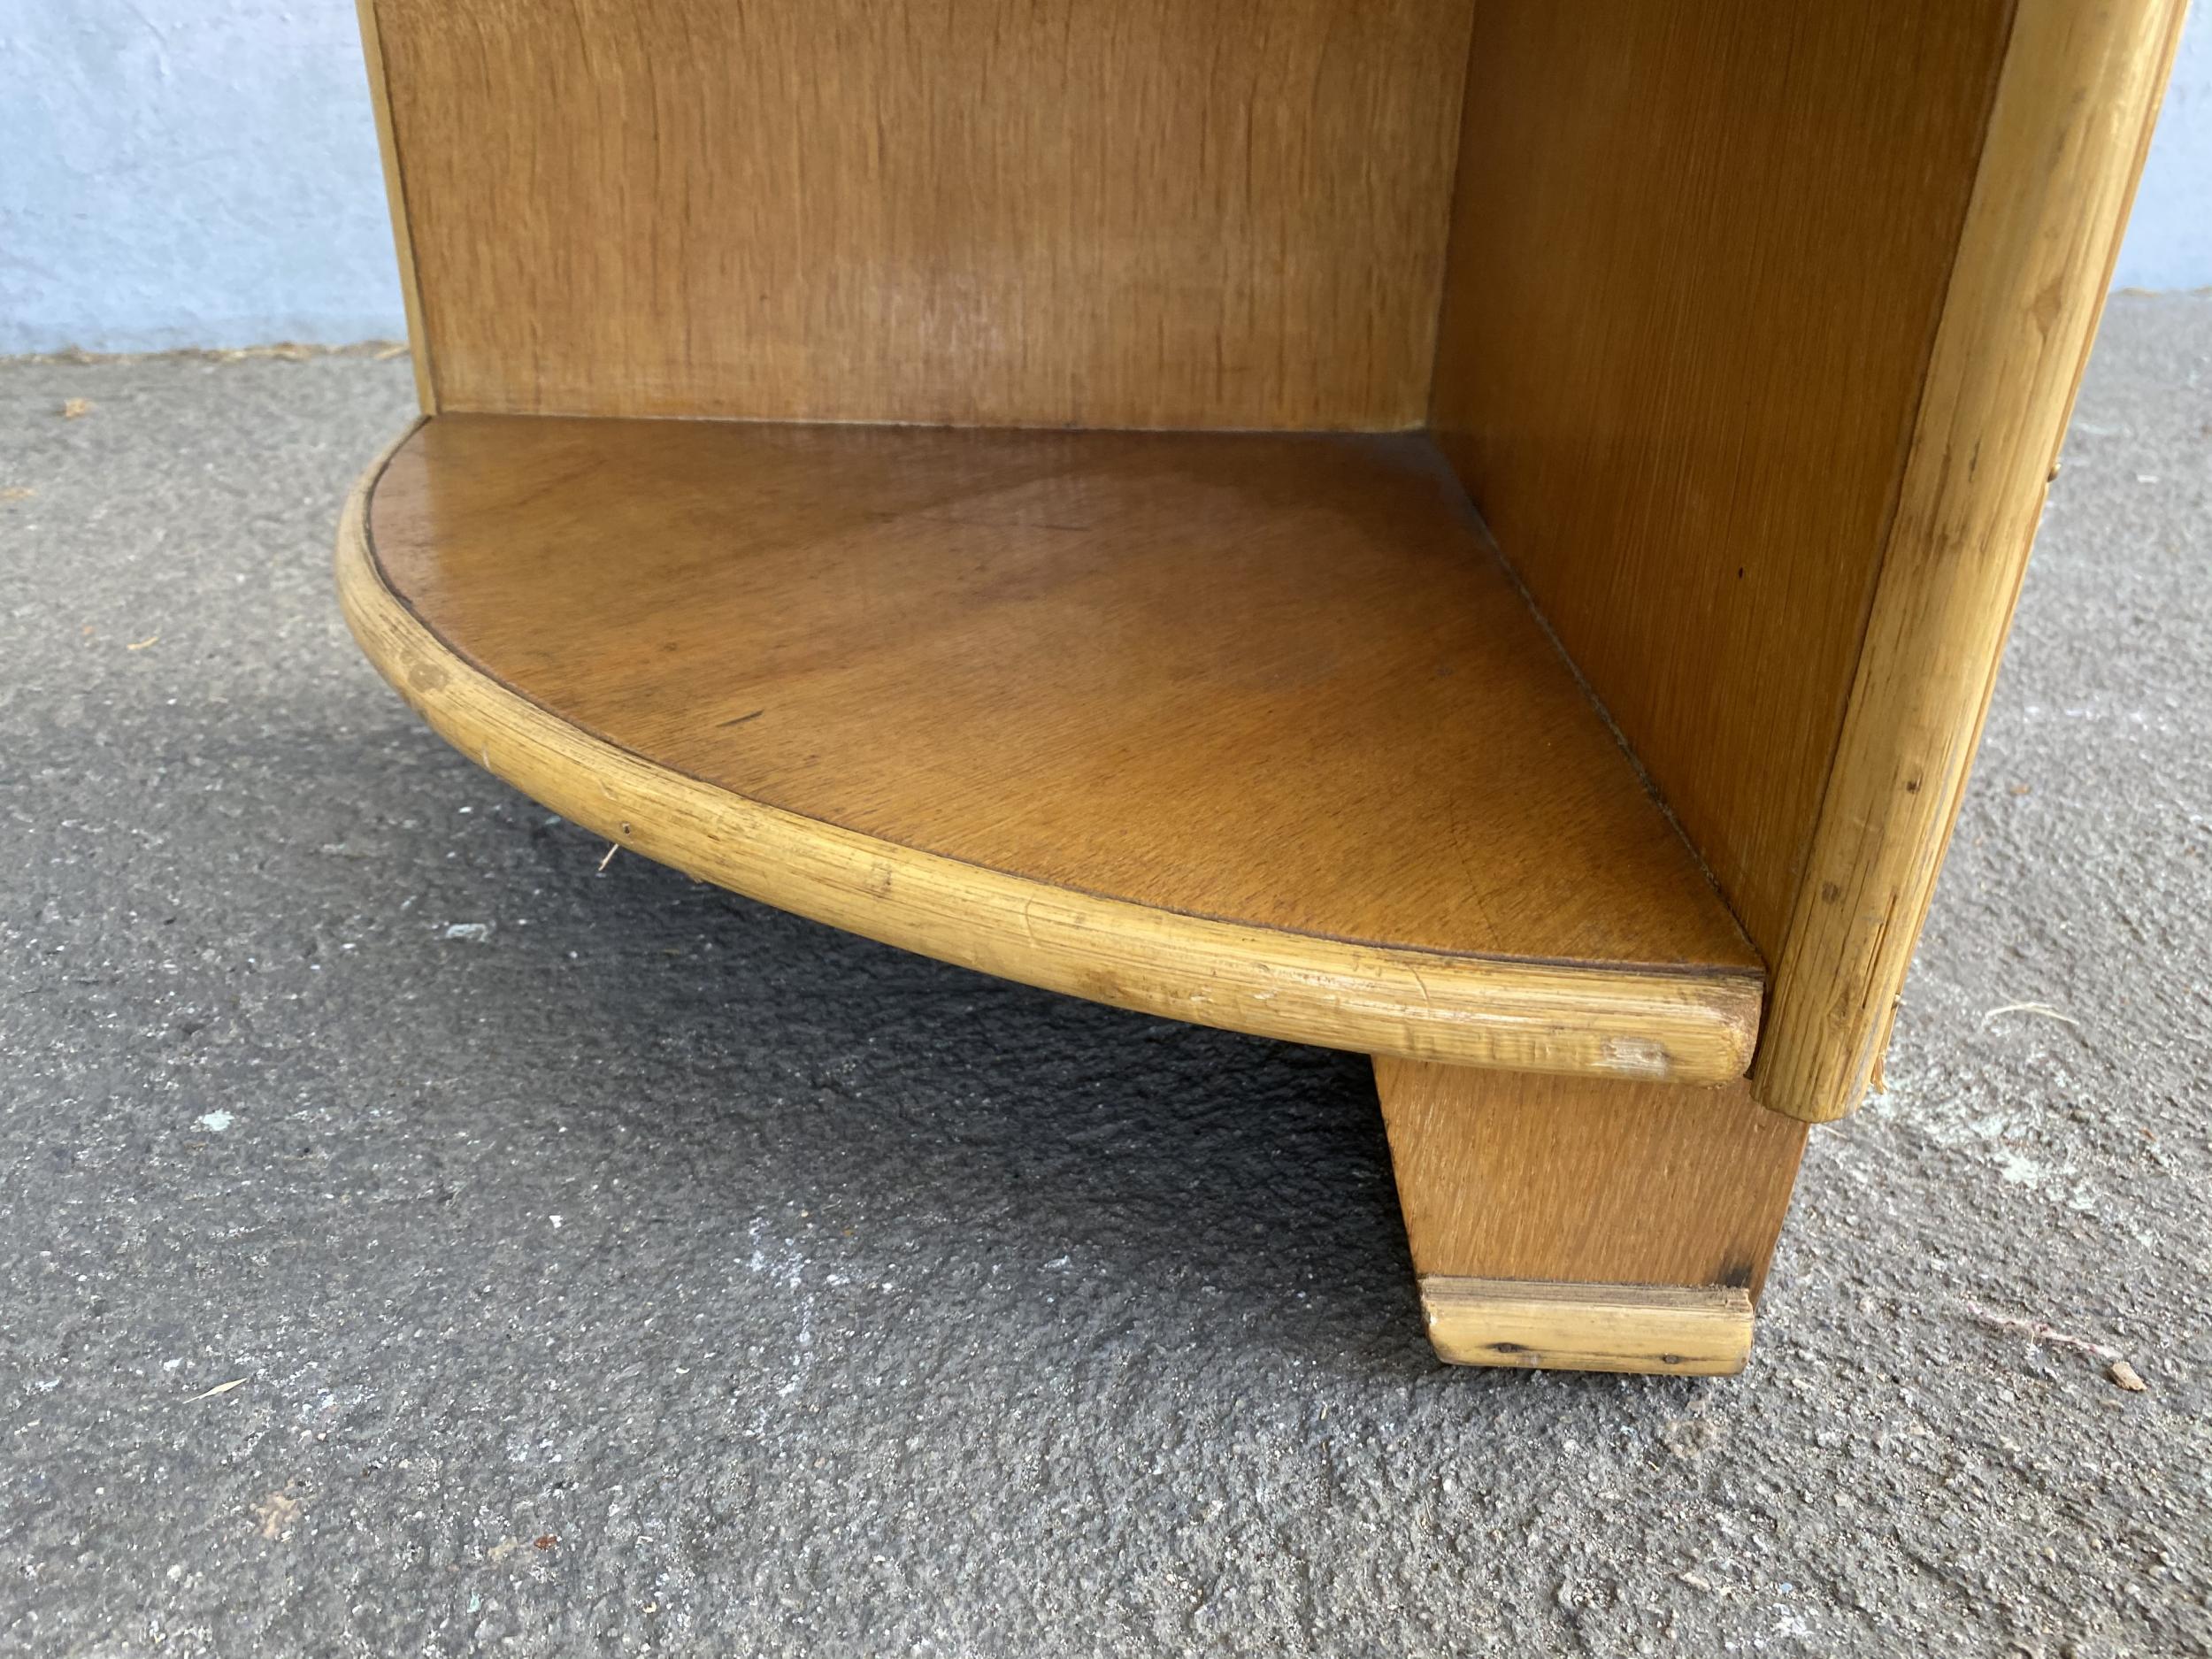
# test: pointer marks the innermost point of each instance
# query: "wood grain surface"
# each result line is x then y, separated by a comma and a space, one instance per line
2073, 119
1216, 213
1586, 1180
1699, 255
1250, 730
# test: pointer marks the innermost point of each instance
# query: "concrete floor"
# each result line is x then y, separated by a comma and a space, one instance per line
414, 1239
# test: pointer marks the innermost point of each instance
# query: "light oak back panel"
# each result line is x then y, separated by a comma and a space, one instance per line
1699, 254
1099, 213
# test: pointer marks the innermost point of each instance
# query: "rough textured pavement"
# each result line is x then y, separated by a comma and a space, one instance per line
415, 1240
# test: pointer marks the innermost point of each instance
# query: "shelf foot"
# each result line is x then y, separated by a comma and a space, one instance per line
1583, 1224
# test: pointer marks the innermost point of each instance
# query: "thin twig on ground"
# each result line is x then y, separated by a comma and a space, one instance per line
2043, 1010
2036, 1331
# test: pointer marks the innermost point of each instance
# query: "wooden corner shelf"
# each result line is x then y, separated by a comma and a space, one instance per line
1252, 730
1003, 478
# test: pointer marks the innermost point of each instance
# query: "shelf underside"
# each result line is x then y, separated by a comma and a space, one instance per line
1251, 730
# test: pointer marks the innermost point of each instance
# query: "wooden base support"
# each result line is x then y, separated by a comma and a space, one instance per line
1702, 1331
1587, 1225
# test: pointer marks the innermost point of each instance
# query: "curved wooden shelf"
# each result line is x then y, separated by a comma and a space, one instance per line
1247, 730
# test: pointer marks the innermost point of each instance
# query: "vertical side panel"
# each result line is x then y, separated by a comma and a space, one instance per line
1698, 254
2072, 120
395, 200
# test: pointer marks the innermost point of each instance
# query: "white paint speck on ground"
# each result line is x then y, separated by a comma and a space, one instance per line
214, 1122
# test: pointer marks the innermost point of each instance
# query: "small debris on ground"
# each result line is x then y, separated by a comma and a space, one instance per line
284, 350
139, 645
612, 848
220, 1388
76, 408
2035, 1331
474, 933
2042, 1010
1691, 1437
276, 1512
544, 1540
16, 492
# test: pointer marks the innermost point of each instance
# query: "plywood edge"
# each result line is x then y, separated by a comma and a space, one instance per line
2075, 102
1684, 1028
1660, 1330
395, 201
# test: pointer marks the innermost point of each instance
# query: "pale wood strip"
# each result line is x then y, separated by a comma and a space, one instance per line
1669, 1330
